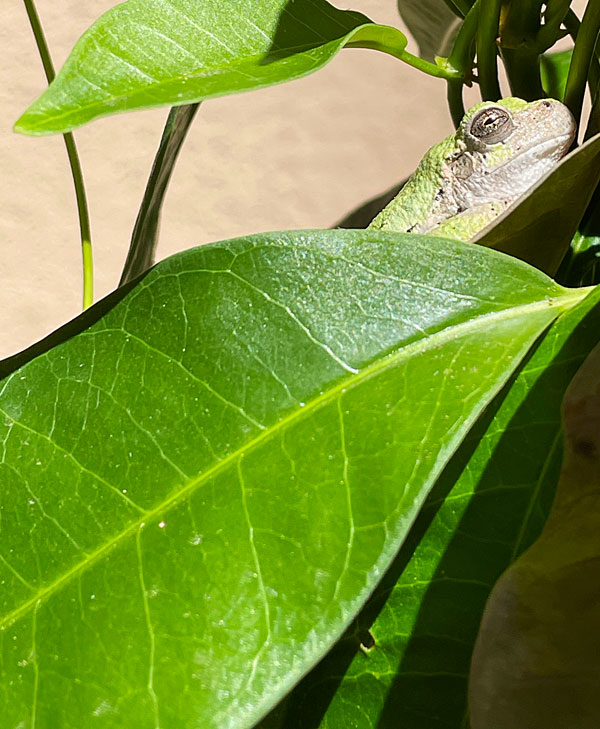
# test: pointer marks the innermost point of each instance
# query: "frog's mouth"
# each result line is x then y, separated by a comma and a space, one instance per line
512, 177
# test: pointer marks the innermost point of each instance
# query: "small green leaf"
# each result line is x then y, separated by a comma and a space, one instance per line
149, 53
581, 265
554, 68
201, 489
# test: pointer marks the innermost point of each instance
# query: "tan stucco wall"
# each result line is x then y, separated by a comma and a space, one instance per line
295, 156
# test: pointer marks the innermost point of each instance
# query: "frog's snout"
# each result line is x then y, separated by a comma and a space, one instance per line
555, 115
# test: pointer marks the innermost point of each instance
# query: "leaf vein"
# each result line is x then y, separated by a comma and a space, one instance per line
321, 400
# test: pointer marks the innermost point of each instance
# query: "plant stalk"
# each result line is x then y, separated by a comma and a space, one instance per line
487, 32
76, 173
463, 51
583, 53
523, 71
461, 58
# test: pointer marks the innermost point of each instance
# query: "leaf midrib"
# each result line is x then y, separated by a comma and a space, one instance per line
432, 341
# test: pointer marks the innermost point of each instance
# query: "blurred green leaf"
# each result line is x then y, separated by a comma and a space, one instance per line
202, 488
537, 656
554, 68
432, 24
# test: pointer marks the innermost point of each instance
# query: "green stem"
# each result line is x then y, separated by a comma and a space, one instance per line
487, 32
455, 102
593, 126
463, 51
82, 207
523, 71
583, 53
520, 25
431, 69
144, 238
572, 24
461, 58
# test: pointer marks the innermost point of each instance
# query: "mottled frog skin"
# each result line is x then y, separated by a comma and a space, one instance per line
465, 181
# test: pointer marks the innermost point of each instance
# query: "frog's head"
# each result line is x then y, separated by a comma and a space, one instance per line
503, 148
512, 127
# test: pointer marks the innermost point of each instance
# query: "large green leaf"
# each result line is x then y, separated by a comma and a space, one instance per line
148, 53
489, 504
201, 489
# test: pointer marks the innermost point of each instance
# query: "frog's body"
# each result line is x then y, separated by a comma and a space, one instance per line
465, 181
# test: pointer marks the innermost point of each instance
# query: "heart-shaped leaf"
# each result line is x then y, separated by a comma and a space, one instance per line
148, 53
201, 489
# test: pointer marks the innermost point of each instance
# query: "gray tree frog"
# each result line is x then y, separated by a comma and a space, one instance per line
498, 152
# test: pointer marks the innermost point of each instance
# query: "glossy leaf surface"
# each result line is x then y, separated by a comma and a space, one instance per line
148, 53
201, 489
489, 505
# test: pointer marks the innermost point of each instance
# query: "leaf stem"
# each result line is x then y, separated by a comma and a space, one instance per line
461, 58
455, 102
431, 69
523, 71
144, 238
572, 25
487, 32
583, 53
519, 28
463, 51
76, 173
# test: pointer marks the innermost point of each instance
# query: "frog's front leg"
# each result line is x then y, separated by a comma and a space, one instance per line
465, 226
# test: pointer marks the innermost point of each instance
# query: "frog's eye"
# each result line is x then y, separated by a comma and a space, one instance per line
492, 125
